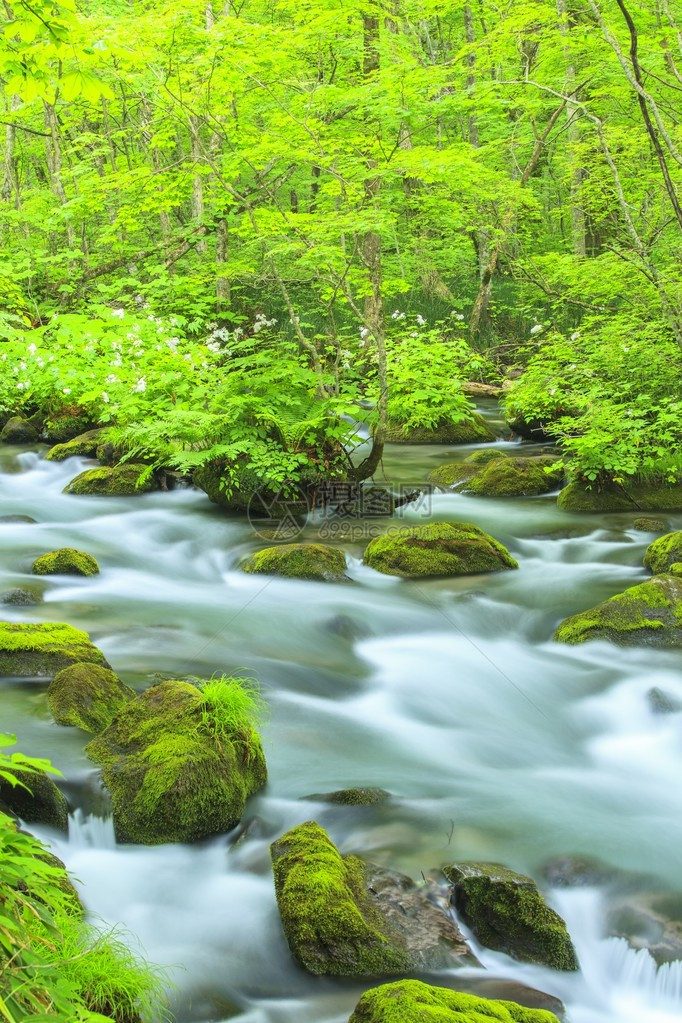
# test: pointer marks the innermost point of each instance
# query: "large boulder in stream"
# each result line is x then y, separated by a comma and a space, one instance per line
36, 800
113, 481
177, 771
663, 553
19, 431
437, 549
87, 696
501, 476
85, 445
613, 497
315, 561
65, 561
506, 912
650, 613
40, 651
473, 430
344, 917
410, 1001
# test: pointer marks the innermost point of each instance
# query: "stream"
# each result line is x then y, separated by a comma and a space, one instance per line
497, 743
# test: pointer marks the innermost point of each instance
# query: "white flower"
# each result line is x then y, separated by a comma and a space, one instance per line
22, 365
214, 346
105, 397
32, 349
111, 379
536, 328
459, 316
420, 320
21, 386
120, 313
66, 390
575, 335
187, 357
415, 334
141, 385
364, 332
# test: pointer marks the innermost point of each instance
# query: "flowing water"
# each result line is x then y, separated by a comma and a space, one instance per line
497, 743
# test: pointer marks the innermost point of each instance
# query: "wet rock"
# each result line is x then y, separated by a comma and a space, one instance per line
19, 598
650, 921
40, 651
663, 553
578, 497
85, 445
37, 800
87, 696
352, 797
17, 518
68, 424
344, 917
437, 549
661, 702
19, 431
410, 1001
314, 561
499, 988
501, 475
346, 627
65, 561
506, 912
112, 481
577, 872
644, 525
171, 776
650, 613
529, 429
472, 431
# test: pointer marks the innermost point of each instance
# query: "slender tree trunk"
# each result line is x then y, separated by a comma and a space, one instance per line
578, 227
53, 152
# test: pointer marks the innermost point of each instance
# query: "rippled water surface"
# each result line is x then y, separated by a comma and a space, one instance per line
496, 742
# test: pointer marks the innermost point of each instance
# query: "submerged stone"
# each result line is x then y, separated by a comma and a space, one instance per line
19, 598
651, 921
40, 651
37, 800
344, 917
65, 561
470, 431
663, 553
645, 525
506, 912
173, 775
353, 797
437, 549
578, 497
410, 1001
112, 481
649, 613
501, 475
314, 561
661, 702
85, 445
87, 696
18, 431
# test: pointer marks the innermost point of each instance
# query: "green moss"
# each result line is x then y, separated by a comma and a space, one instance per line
471, 431
111, 481
84, 445
648, 613
452, 473
87, 696
65, 561
646, 525
170, 778
506, 912
18, 431
66, 425
300, 561
328, 921
664, 552
353, 797
578, 497
516, 477
410, 1001
676, 568
43, 650
36, 800
438, 549
484, 456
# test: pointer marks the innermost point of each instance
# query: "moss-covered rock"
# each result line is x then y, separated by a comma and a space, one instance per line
646, 525
20, 597
85, 445
40, 651
65, 561
37, 800
299, 561
111, 481
664, 552
516, 477
675, 568
343, 917
506, 912
18, 431
171, 777
485, 455
452, 473
410, 1001
437, 549
87, 696
353, 797
68, 423
649, 613
578, 497
471, 431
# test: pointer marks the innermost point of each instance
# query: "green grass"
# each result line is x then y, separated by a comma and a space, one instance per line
232, 710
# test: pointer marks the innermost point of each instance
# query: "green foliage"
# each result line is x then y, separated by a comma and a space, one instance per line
233, 710
610, 394
411, 1001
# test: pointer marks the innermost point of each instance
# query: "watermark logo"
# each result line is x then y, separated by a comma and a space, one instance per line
336, 510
